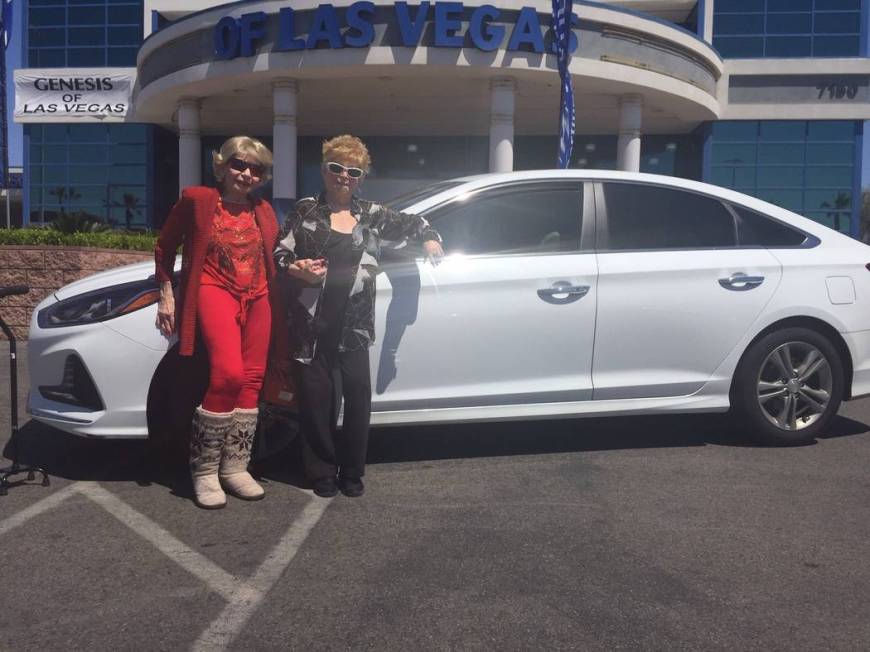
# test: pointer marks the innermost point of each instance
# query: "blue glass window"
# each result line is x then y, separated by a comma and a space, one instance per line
788, 46
47, 36
782, 131
789, 5
740, 24
733, 6
787, 23
86, 57
772, 176
83, 33
844, 5
746, 47
87, 36
122, 56
87, 16
787, 28
804, 166
101, 170
836, 46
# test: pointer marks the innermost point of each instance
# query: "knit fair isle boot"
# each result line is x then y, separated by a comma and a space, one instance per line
234, 474
206, 444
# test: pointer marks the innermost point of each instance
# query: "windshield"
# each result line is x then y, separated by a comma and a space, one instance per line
402, 202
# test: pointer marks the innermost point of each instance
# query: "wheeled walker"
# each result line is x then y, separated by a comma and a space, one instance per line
16, 468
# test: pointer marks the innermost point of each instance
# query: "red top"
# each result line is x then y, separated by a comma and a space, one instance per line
190, 224
234, 259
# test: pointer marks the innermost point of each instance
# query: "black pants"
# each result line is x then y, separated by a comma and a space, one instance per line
326, 452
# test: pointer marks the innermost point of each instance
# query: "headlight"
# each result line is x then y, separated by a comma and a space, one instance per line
99, 305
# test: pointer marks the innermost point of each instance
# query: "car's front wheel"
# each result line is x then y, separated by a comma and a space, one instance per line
789, 386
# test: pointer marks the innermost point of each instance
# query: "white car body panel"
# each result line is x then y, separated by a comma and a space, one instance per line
476, 337
664, 321
120, 367
648, 338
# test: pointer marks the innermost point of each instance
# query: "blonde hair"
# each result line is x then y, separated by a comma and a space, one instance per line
347, 147
244, 145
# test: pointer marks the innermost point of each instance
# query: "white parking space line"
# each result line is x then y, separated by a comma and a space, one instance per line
242, 606
189, 559
243, 596
37, 508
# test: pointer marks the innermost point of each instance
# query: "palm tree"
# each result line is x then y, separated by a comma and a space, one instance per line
64, 195
865, 215
842, 202
131, 205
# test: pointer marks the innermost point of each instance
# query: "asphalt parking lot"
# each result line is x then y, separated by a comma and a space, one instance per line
634, 533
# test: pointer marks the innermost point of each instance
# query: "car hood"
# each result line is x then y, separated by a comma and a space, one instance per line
110, 277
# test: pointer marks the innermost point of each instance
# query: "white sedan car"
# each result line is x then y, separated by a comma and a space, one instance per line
563, 294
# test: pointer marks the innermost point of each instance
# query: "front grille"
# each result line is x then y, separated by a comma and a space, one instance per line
76, 387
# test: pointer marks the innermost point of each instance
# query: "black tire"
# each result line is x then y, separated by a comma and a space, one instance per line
178, 386
766, 410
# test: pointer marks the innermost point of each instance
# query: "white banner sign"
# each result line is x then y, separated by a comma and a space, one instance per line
73, 94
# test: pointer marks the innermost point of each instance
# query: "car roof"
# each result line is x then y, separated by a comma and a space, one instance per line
473, 182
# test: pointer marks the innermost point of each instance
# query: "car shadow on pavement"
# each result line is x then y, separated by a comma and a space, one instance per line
74, 458
117, 460
569, 435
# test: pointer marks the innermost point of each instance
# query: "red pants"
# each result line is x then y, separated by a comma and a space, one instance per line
236, 335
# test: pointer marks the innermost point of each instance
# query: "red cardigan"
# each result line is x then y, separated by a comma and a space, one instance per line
190, 225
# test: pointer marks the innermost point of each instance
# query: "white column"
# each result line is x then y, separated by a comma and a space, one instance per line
284, 93
189, 144
501, 125
708, 21
628, 147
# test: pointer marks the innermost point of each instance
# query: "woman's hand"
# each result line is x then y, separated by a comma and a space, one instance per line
308, 270
434, 252
166, 310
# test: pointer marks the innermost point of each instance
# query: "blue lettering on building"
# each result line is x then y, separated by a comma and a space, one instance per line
361, 32
287, 31
251, 28
527, 31
448, 21
242, 36
485, 37
411, 29
324, 27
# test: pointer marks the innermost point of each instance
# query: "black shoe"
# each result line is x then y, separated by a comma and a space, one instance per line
325, 487
351, 487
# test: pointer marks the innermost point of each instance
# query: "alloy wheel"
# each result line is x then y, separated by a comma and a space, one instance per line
794, 386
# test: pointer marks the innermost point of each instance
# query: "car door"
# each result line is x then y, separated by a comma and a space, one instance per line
508, 316
675, 292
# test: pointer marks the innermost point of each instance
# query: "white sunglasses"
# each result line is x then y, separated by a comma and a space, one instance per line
338, 168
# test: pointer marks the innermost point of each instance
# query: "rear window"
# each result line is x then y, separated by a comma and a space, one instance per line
755, 229
641, 216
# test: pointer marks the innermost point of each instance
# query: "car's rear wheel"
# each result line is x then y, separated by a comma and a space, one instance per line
789, 386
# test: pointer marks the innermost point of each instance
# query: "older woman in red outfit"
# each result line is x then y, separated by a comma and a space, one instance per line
227, 237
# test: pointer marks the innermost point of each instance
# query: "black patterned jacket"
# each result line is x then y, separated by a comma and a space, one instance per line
305, 234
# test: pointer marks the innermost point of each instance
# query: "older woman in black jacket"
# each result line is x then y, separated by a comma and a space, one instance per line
330, 245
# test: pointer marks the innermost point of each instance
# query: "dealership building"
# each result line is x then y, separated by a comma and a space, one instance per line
122, 102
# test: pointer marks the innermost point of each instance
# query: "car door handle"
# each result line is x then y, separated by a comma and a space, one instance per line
571, 293
740, 282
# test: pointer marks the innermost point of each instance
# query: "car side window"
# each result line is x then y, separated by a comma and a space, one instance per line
757, 230
521, 219
641, 216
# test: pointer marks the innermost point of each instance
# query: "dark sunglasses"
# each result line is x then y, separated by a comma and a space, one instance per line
239, 165
338, 168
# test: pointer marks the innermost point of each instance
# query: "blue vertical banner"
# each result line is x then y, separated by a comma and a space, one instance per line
562, 42
5, 35
5, 22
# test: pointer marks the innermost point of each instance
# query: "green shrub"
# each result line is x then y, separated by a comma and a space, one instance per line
103, 239
80, 222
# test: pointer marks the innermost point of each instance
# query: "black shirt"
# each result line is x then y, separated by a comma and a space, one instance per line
342, 262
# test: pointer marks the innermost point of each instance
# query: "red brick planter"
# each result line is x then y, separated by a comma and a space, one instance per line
45, 269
